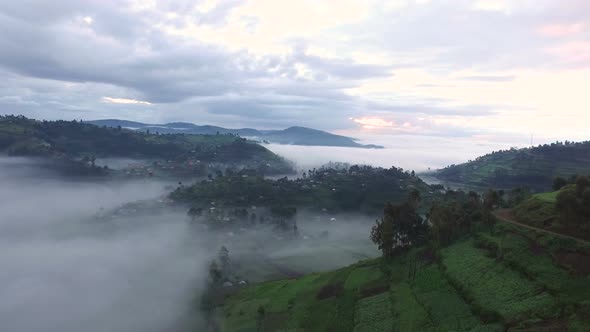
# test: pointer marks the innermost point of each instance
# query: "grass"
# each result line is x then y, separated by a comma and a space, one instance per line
540, 211
495, 288
362, 276
549, 197
374, 314
410, 315
508, 278
535, 211
427, 303
537, 263
447, 310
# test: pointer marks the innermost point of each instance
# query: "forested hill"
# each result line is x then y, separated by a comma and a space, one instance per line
531, 167
362, 189
292, 135
20, 136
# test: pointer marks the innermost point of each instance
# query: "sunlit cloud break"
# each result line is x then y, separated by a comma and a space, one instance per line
373, 123
124, 101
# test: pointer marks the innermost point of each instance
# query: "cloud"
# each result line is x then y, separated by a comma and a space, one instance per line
64, 270
575, 53
561, 29
373, 123
488, 78
124, 101
262, 63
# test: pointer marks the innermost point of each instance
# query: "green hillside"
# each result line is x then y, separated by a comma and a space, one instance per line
355, 189
565, 211
74, 140
538, 211
532, 167
510, 278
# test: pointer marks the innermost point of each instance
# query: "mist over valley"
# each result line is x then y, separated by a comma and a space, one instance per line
294, 166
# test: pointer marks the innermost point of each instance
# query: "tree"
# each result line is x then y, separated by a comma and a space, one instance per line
559, 183
224, 259
214, 273
443, 219
586, 204
567, 206
382, 236
400, 228
491, 200
582, 183
414, 198
260, 316
283, 214
517, 196
195, 212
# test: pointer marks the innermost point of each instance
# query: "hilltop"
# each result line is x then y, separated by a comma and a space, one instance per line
361, 189
76, 142
530, 167
564, 211
292, 135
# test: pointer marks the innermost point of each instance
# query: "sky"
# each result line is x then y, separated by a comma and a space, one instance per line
483, 70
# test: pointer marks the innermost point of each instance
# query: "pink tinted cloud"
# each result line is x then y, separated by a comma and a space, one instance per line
373, 123
561, 30
573, 52
380, 125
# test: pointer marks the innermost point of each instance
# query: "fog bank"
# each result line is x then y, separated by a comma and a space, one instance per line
61, 270
410, 152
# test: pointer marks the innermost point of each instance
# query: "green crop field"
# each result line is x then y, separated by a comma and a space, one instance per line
508, 278
374, 314
535, 211
494, 287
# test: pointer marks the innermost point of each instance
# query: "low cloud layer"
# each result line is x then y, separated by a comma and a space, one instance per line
61, 270
410, 152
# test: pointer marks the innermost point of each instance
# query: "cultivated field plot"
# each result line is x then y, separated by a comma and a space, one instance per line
507, 278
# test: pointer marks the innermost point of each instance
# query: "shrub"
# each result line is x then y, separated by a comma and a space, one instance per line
330, 290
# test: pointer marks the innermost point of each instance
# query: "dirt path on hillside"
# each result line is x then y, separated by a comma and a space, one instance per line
505, 215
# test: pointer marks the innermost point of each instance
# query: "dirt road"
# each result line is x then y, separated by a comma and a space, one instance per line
505, 215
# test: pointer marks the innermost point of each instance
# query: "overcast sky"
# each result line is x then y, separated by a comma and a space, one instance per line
482, 69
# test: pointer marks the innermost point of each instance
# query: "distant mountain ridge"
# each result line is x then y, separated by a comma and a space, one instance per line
292, 135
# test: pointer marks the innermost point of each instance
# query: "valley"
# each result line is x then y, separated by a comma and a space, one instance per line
259, 246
